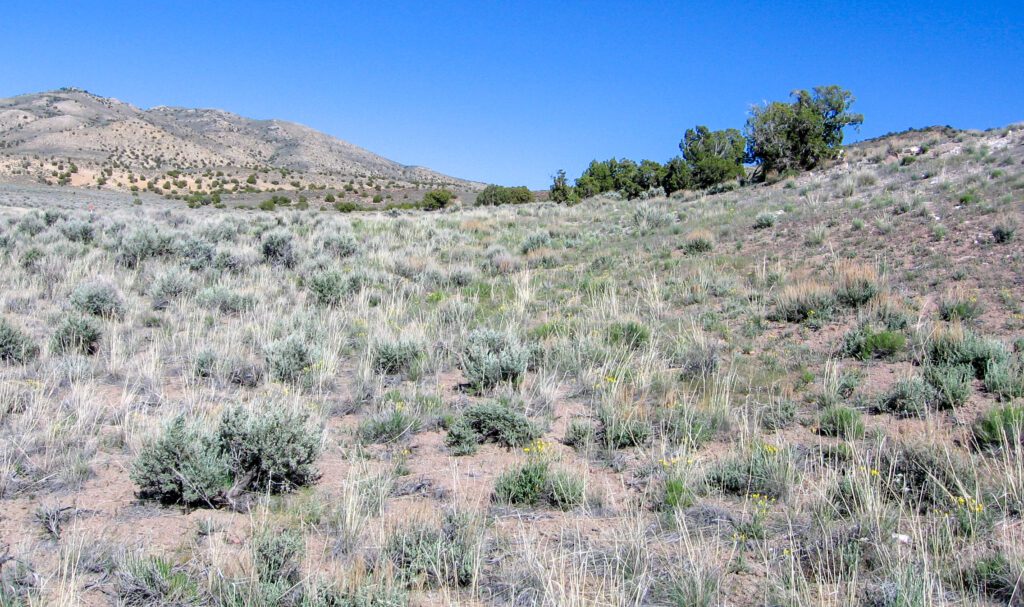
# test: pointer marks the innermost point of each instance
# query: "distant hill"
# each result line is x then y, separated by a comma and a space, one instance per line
111, 141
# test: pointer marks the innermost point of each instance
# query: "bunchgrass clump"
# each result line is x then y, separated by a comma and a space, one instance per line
951, 384
841, 421
909, 397
959, 305
691, 427
430, 555
866, 341
805, 301
925, 476
534, 483
760, 468
389, 426
394, 356
698, 241
1005, 378
622, 430
855, 283
630, 334
999, 427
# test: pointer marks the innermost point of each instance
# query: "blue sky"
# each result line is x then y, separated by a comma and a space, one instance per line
509, 92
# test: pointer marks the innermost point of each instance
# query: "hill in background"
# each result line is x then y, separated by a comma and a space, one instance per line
73, 137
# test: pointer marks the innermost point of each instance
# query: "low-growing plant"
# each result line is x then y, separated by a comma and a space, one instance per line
866, 341
691, 427
341, 245
170, 285
622, 431
536, 240
630, 334
856, 283
579, 434
224, 300
778, 414
924, 476
699, 241
951, 384
765, 220
495, 422
328, 287
389, 426
908, 397
278, 249
959, 305
1005, 378
1004, 231
428, 555
994, 576
534, 483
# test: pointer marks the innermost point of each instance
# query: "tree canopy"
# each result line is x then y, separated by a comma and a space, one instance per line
802, 134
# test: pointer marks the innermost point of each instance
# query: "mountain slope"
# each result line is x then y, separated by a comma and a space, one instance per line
83, 128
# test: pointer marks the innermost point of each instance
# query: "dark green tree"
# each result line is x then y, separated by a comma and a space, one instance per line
437, 199
800, 135
494, 195
561, 191
676, 175
650, 174
713, 157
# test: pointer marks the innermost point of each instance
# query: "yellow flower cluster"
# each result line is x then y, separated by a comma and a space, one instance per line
769, 449
537, 447
968, 503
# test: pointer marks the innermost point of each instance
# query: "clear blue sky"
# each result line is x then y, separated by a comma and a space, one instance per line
509, 92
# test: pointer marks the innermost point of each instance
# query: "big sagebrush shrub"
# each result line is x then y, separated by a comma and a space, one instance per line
181, 466
277, 248
15, 345
77, 335
249, 451
492, 357
290, 358
99, 299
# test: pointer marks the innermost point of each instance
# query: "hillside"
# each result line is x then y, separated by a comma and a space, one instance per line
807, 392
115, 145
